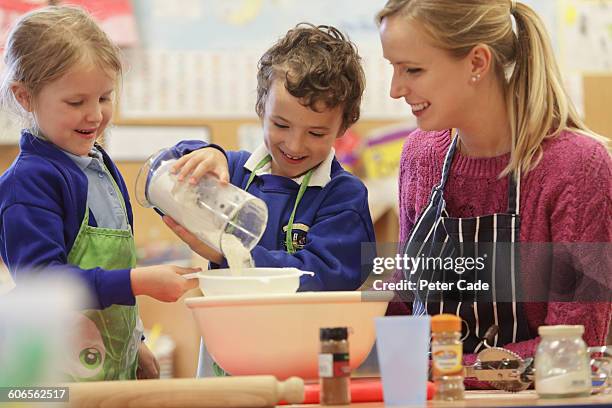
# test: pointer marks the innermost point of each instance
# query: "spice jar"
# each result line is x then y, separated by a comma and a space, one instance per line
562, 363
334, 368
447, 357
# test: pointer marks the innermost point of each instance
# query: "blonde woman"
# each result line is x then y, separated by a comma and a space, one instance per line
501, 164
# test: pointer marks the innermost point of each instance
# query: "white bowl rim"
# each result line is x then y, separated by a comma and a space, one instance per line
213, 274
289, 298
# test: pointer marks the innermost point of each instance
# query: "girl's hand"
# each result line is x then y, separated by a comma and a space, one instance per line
148, 366
162, 282
193, 241
197, 163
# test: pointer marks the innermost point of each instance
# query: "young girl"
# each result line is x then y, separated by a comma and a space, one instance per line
500, 157
64, 207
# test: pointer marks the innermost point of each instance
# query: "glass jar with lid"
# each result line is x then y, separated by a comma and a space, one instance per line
562, 363
447, 357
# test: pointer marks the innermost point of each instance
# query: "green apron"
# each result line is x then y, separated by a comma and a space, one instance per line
107, 341
217, 370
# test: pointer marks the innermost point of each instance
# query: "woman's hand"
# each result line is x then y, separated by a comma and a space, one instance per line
162, 282
199, 162
193, 241
148, 366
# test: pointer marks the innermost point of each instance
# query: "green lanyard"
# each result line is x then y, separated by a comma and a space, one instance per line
303, 187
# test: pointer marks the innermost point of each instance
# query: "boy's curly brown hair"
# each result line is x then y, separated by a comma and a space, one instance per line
319, 65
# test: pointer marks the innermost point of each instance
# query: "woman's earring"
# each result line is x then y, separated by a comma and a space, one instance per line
475, 78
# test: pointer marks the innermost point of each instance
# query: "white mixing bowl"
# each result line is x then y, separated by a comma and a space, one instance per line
249, 281
279, 334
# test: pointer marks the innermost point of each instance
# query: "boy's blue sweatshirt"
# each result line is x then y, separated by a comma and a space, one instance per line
331, 223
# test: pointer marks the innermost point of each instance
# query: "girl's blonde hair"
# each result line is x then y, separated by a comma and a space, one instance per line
538, 105
45, 43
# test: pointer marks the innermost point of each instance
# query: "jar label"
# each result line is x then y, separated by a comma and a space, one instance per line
334, 365
447, 359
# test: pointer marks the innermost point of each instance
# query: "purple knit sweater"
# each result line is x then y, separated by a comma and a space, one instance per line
566, 198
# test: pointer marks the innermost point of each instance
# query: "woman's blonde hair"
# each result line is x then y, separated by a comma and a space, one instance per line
45, 43
538, 105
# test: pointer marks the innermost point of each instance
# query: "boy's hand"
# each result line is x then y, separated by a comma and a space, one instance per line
162, 282
148, 366
197, 163
193, 241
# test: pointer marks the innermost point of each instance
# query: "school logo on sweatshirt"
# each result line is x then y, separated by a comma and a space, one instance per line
298, 236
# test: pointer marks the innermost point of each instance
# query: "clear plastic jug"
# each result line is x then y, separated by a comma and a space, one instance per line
209, 210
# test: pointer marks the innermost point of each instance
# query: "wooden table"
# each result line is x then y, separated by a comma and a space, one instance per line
504, 399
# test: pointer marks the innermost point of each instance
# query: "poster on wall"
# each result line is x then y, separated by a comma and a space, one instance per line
585, 35
10, 10
198, 58
116, 17
137, 143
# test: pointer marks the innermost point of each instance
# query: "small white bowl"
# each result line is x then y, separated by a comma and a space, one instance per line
219, 282
278, 334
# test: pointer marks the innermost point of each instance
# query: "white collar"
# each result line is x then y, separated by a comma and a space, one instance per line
84, 161
320, 176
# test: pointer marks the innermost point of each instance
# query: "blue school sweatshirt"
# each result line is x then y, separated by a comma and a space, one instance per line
43, 195
330, 224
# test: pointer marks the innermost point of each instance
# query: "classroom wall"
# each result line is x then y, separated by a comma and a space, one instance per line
597, 103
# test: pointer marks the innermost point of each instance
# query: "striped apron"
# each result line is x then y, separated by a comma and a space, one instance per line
490, 238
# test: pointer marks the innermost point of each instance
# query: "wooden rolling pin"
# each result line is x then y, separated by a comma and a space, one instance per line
237, 392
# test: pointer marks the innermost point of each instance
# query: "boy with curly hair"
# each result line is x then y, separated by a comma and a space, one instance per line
309, 89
